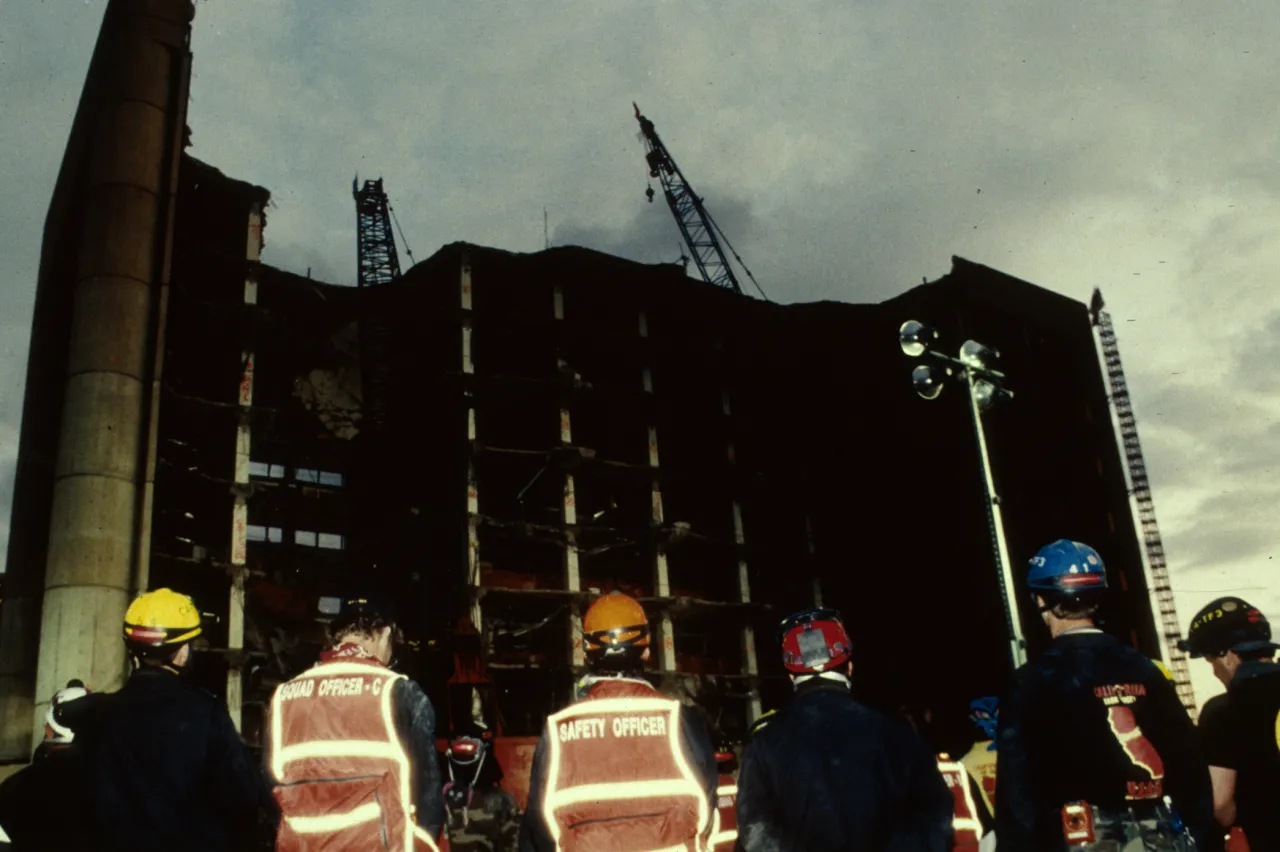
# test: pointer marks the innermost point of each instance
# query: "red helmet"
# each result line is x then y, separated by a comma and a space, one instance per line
814, 641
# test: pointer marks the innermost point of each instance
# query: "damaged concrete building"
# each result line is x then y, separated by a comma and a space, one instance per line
494, 438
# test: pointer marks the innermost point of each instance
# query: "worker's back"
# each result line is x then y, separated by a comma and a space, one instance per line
1094, 720
164, 769
829, 773
1241, 731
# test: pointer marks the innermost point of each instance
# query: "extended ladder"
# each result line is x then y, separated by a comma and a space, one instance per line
1140, 488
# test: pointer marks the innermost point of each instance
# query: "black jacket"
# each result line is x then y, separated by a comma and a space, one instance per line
1060, 740
39, 803
163, 768
1239, 731
829, 773
416, 723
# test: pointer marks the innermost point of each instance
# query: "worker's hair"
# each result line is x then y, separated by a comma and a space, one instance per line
361, 624
1067, 608
626, 662
155, 658
1261, 654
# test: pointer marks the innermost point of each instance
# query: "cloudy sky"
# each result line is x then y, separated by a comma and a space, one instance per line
847, 148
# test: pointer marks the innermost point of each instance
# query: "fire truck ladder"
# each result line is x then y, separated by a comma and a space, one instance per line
1140, 488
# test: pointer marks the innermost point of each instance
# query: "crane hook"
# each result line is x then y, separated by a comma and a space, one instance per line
649, 193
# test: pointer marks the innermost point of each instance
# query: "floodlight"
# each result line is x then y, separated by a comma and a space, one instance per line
985, 394
929, 379
974, 354
915, 337
989, 394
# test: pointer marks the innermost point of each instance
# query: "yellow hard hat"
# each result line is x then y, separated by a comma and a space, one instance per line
161, 618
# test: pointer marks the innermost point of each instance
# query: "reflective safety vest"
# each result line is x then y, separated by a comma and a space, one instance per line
617, 776
724, 822
981, 763
965, 824
342, 776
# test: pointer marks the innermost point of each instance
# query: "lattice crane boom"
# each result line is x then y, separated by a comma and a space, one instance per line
376, 246
377, 264
1140, 488
699, 230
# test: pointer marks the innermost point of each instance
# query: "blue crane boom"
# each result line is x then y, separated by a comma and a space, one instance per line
701, 233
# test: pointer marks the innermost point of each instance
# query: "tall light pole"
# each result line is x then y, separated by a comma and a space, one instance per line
985, 385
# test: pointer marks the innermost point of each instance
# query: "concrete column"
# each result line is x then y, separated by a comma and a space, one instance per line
93, 528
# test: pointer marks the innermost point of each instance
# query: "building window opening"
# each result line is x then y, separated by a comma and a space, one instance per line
256, 532
263, 470
318, 477
306, 538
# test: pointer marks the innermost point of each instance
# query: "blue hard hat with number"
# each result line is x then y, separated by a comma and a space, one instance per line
1068, 568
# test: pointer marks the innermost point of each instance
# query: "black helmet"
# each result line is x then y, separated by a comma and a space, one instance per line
1227, 624
366, 610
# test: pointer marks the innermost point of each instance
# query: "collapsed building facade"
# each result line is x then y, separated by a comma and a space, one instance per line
495, 438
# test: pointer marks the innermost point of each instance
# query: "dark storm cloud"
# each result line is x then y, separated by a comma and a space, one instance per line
1213, 443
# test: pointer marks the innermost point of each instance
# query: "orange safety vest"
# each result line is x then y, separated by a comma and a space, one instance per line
724, 822
342, 776
617, 776
965, 824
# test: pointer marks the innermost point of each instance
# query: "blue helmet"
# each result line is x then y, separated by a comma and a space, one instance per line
1066, 570
984, 712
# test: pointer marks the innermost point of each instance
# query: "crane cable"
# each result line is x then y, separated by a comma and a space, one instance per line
734, 252
395, 219
644, 143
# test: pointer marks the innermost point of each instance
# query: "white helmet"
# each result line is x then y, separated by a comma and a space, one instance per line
57, 732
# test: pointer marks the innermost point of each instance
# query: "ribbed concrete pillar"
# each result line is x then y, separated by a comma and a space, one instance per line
92, 546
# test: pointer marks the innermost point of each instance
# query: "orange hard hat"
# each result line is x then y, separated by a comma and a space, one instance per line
615, 623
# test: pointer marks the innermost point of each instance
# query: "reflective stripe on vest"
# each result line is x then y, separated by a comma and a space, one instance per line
556, 798
966, 815
334, 822
981, 763
389, 749
726, 797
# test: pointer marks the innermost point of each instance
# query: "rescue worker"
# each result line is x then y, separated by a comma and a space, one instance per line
1240, 729
828, 772
1095, 749
352, 745
724, 830
970, 823
481, 816
980, 760
161, 761
35, 801
623, 767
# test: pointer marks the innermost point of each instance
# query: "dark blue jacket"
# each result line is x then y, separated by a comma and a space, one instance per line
1066, 734
163, 768
829, 773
